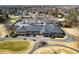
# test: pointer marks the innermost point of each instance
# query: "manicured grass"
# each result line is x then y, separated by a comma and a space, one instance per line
14, 45
14, 19
70, 44
55, 50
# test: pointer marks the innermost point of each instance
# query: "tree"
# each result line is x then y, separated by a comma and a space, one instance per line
71, 18
3, 17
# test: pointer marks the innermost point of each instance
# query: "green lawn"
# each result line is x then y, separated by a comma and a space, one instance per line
14, 45
14, 19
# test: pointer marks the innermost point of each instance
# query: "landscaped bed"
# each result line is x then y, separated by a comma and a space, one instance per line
16, 46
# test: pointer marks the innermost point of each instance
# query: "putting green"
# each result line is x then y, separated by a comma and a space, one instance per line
18, 46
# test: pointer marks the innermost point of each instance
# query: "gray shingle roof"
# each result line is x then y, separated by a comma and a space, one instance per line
29, 28
51, 28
